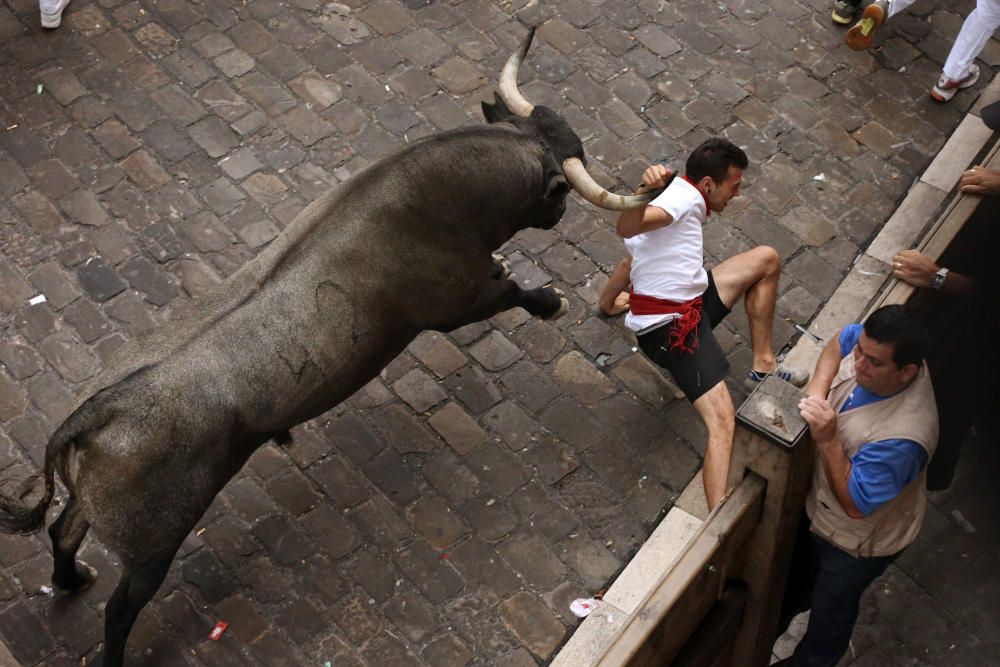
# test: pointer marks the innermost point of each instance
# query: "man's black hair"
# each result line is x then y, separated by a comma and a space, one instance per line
713, 158
899, 326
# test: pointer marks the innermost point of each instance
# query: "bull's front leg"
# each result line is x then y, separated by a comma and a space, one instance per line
503, 294
501, 267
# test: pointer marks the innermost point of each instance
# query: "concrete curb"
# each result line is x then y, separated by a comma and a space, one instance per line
867, 278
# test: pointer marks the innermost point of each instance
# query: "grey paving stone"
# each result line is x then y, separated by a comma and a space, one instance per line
395, 480
419, 390
426, 570
98, 280
214, 136
532, 623
285, 543
412, 616
26, 635
458, 429
432, 517
447, 651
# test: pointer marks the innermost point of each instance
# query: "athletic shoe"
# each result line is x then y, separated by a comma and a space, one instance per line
859, 37
796, 376
844, 12
946, 88
51, 11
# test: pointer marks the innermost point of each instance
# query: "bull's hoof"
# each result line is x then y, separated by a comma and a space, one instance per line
83, 578
563, 305
501, 267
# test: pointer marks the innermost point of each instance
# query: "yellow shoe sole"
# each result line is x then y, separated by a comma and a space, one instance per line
860, 36
841, 20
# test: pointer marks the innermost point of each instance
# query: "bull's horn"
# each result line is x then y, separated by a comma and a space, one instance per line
588, 188
508, 80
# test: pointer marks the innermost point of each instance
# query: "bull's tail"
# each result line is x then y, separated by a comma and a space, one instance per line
18, 517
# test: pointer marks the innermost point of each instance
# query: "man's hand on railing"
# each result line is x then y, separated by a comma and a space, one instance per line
980, 181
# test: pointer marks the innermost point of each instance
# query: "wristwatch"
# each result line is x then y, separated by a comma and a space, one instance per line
939, 278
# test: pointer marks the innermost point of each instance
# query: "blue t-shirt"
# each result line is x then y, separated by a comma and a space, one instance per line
880, 469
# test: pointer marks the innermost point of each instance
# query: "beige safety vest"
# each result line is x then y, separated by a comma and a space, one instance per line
911, 414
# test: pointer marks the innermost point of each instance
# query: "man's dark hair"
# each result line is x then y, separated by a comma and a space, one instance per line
713, 158
899, 326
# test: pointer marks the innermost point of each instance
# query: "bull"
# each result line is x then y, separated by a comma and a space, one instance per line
403, 246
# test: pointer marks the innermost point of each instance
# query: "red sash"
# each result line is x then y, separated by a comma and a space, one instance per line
689, 311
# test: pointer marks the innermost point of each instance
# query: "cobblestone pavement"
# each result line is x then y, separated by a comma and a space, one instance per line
447, 514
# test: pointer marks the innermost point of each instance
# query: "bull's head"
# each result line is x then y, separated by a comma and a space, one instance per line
559, 137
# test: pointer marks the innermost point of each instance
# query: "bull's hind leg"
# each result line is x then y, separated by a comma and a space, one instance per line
67, 533
136, 587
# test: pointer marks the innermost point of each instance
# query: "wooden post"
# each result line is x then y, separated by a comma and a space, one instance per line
772, 441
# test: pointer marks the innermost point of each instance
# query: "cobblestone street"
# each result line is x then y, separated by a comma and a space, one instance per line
448, 513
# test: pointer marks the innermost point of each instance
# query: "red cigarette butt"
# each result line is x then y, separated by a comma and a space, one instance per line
217, 631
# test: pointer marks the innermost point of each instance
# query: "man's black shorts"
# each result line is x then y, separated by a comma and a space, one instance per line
698, 371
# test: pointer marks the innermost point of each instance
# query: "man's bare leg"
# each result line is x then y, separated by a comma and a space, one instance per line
716, 409
755, 274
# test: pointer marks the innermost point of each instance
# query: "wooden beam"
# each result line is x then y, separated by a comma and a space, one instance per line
712, 643
784, 458
672, 610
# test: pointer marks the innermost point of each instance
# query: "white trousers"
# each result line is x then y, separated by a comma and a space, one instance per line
976, 31
896, 6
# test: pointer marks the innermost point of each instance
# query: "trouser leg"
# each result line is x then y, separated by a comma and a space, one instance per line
896, 6
977, 29
836, 599
802, 575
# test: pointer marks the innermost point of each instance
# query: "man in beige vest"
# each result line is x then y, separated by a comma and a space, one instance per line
870, 410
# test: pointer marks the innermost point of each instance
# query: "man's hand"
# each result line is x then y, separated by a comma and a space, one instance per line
914, 267
656, 176
980, 180
822, 419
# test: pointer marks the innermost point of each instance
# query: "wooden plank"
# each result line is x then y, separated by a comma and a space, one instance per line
712, 643
672, 610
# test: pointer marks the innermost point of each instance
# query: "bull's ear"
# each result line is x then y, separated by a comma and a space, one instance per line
496, 112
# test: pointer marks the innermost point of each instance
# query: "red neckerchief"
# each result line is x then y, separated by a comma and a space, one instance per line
708, 207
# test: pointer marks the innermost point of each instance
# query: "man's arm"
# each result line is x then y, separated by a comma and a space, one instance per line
822, 422
826, 369
647, 218
917, 269
614, 296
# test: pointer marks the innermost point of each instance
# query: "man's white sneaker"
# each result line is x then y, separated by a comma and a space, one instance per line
946, 88
51, 11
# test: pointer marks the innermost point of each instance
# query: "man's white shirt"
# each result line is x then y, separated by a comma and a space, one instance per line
669, 263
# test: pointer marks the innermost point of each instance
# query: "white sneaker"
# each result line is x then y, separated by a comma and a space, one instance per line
51, 11
946, 88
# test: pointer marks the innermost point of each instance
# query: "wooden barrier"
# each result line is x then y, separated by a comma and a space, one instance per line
941, 234
747, 538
